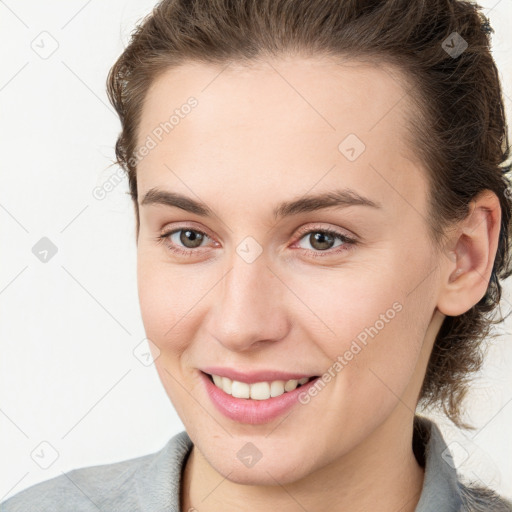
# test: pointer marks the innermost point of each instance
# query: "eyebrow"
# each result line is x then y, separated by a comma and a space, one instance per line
337, 198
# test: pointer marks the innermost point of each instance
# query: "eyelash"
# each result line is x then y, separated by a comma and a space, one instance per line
347, 241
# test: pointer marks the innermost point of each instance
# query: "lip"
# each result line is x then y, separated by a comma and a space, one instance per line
253, 412
250, 377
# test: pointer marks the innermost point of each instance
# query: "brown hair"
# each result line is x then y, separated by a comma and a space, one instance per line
459, 130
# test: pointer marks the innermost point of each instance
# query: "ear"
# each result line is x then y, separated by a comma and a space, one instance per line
472, 249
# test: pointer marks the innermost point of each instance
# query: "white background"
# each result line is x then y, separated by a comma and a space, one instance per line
69, 376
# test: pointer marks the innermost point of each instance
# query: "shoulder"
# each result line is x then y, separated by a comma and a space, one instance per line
83, 489
444, 488
118, 486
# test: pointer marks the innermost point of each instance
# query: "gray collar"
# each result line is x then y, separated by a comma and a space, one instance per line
441, 489
158, 482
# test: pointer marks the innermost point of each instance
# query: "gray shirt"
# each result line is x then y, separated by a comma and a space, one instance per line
151, 483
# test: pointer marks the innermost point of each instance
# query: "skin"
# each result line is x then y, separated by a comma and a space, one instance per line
261, 135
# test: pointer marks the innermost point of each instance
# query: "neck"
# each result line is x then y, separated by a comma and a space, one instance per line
381, 474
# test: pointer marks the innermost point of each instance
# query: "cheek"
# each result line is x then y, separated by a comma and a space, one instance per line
162, 299
166, 304
351, 301
376, 329
172, 299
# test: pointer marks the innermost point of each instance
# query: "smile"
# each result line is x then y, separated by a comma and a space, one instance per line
257, 390
256, 402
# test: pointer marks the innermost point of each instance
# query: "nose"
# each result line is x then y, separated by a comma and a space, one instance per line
249, 309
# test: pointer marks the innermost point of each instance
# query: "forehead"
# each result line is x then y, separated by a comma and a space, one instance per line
278, 124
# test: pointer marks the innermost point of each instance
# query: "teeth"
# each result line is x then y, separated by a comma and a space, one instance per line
226, 385
277, 388
290, 385
240, 389
260, 390
257, 390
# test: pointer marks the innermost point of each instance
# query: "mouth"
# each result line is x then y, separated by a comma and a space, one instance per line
256, 402
262, 390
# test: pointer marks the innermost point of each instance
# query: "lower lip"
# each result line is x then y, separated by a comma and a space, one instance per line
253, 412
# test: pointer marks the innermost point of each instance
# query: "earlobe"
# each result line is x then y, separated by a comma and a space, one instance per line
467, 270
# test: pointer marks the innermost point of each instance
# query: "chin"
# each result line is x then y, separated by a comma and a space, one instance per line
269, 473
274, 469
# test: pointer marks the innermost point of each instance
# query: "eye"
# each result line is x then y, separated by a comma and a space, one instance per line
323, 240
184, 240
187, 241
190, 238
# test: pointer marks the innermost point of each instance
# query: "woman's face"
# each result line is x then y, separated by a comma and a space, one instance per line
250, 283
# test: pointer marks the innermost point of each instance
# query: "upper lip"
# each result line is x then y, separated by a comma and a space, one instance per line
252, 376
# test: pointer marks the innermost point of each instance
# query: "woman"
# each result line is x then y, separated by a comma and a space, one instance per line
322, 226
